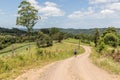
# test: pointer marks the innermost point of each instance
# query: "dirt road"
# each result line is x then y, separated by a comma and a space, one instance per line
75, 68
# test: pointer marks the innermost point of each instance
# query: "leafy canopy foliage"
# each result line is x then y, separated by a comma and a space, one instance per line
96, 37
54, 30
44, 40
27, 15
56, 34
111, 39
110, 30
101, 47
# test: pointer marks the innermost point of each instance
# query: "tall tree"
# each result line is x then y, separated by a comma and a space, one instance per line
96, 37
56, 34
27, 17
111, 39
110, 30
44, 40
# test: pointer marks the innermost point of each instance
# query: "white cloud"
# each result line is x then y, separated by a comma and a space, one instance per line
51, 4
76, 14
34, 3
107, 12
101, 1
92, 14
1, 12
106, 9
81, 14
114, 6
49, 9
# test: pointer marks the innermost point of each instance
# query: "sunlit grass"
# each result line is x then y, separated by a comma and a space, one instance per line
76, 41
106, 63
11, 67
18, 48
71, 40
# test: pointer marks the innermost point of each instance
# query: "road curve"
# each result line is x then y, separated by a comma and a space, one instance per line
75, 68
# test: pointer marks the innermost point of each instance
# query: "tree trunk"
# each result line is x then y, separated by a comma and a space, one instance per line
29, 41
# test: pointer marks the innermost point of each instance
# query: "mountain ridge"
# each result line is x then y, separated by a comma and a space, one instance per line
67, 30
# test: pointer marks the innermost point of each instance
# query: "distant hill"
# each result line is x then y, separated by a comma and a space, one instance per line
13, 31
79, 31
85, 31
69, 30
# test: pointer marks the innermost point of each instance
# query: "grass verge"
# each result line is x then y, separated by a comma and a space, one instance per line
11, 67
106, 63
76, 41
18, 47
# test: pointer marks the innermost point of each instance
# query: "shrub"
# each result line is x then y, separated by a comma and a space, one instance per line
101, 47
39, 52
4, 66
111, 39
44, 40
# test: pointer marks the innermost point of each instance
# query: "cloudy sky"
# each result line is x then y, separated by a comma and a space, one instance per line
65, 13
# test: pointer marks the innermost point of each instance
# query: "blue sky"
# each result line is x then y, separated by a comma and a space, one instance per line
65, 13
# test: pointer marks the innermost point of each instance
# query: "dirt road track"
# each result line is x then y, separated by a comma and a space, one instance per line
75, 68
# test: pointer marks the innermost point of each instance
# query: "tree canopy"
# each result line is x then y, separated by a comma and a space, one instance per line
27, 15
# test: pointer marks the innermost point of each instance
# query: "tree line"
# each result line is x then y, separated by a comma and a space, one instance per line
43, 37
110, 37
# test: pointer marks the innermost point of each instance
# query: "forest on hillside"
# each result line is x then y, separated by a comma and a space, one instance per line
15, 35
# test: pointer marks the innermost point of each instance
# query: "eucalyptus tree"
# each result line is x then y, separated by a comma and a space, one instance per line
27, 17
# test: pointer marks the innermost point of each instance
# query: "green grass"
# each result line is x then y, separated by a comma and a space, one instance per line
106, 63
76, 41
62, 50
18, 47
11, 67
100, 60
71, 40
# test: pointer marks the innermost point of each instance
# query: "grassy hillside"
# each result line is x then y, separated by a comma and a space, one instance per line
105, 62
11, 67
76, 41
18, 48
